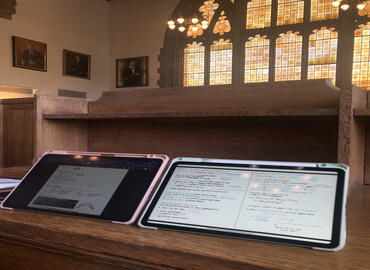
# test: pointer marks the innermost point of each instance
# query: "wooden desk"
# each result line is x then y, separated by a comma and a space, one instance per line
14, 172
42, 241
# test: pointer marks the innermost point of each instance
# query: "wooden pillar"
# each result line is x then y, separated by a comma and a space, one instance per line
351, 141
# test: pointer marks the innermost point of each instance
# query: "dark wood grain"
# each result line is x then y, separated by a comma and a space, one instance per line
299, 95
18, 131
367, 155
14, 172
364, 112
242, 121
283, 139
64, 135
351, 135
208, 114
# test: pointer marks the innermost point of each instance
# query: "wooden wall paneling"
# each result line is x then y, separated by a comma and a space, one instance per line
367, 147
63, 134
18, 131
301, 95
302, 139
1, 135
367, 154
351, 138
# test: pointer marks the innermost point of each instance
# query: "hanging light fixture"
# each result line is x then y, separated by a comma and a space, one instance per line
181, 23
345, 4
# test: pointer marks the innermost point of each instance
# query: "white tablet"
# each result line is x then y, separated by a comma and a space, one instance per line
293, 203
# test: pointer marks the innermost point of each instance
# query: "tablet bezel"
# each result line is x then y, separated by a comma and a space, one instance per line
141, 202
338, 227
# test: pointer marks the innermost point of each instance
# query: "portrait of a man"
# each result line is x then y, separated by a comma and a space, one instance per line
76, 64
29, 54
132, 72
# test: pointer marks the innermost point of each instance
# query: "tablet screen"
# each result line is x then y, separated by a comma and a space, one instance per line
79, 189
103, 187
284, 204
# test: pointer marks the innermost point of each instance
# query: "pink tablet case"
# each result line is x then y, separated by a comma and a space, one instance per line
145, 198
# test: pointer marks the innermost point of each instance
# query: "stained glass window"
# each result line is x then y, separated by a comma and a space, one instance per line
256, 59
322, 54
290, 12
194, 64
323, 10
361, 57
221, 62
208, 9
258, 14
222, 25
288, 57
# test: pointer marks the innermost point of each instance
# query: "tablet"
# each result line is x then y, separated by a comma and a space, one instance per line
104, 186
293, 203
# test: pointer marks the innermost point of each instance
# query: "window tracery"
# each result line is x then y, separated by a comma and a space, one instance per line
250, 45
222, 26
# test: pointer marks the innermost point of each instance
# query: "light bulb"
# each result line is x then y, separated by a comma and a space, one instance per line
171, 22
181, 28
194, 29
194, 20
336, 3
344, 6
204, 26
180, 20
172, 26
204, 22
361, 6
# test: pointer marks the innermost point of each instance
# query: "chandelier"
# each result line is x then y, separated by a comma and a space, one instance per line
182, 23
345, 4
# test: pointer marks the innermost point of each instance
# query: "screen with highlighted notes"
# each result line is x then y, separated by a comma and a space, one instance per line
268, 202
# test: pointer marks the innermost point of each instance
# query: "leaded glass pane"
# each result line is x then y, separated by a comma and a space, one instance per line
256, 59
221, 62
361, 57
288, 58
194, 64
323, 10
322, 54
258, 14
290, 12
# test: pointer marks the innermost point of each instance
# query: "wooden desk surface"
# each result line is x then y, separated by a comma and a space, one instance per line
43, 241
14, 172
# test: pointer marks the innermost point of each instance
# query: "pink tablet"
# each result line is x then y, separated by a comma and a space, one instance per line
106, 186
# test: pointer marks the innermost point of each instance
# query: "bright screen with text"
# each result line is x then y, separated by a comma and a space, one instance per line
288, 204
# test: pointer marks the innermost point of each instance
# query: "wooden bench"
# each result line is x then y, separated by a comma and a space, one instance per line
287, 121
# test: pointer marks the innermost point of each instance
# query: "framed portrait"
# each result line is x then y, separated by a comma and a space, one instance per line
132, 72
76, 64
29, 54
